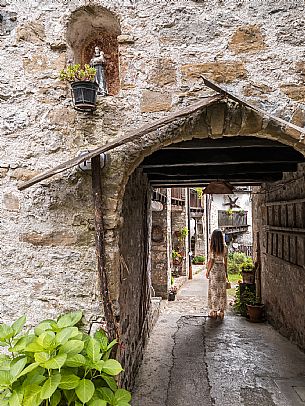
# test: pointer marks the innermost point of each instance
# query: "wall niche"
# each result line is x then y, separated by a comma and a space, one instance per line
92, 26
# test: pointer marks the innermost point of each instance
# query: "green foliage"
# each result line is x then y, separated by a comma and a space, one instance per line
242, 299
199, 191
235, 261
183, 233
198, 259
247, 265
58, 365
229, 212
176, 255
74, 73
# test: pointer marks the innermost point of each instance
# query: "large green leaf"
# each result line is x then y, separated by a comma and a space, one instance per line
101, 337
97, 402
31, 395
55, 399
56, 362
16, 398
42, 357
28, 369
98, 365
17, 366
35, 377
106, 394
72, 347
110, 382
70, 319
44, 326
112, 367
93, 349
121, 395
6, 332
18, 324
34, 347
76, 360
50, 386
5, 379
85, 390
46, 340
68, 381
21, 343
65, 334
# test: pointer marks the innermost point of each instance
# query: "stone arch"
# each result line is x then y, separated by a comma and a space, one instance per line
221, 119
91, 26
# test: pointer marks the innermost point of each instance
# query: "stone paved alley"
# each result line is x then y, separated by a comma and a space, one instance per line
194, 361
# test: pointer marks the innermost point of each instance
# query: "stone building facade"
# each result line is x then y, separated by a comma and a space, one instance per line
157, 55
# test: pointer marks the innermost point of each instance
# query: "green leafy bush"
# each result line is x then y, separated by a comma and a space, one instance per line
242, 299
198, 259
235, 261
247, 265
57, 364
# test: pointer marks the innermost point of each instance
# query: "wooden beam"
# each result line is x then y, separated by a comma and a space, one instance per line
131, 136
237, 141
218, 156
207, 179
222, 170
100, 247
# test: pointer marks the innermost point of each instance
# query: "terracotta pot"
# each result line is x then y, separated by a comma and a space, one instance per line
255, 313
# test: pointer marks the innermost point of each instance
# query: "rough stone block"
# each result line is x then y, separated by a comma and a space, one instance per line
295, 92
216, 118
31, 32
223, 72
247, 38
251, 122
155, 101
11, 202
164, 73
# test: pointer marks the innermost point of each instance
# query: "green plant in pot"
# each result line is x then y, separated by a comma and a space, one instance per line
58, 365
84, 87
255, 309
248, 271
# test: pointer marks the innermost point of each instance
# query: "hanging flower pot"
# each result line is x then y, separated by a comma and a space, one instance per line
84, 95
83, 85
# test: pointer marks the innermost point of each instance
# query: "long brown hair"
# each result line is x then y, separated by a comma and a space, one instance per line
217, 244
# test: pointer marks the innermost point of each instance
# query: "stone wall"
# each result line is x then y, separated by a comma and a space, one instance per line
135, 277
280, 227
161, 231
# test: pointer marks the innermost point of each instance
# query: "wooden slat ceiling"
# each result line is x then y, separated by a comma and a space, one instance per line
240, 160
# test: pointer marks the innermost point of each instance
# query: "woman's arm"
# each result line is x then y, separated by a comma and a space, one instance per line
226, 262
209, 267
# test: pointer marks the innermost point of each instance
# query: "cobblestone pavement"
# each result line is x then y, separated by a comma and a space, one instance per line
192, 360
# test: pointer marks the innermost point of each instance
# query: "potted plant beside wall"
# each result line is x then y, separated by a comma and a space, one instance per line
84, 88
255, 309
247, 271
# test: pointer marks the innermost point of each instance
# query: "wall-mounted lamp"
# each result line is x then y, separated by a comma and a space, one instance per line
86, 165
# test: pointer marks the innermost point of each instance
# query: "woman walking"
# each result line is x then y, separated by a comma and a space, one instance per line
217, 275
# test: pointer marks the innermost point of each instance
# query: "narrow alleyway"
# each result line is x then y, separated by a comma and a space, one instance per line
192, 360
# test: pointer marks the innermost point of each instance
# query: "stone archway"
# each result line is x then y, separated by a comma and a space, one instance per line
220, 119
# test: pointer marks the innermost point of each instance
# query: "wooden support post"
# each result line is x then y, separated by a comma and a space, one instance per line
100, 247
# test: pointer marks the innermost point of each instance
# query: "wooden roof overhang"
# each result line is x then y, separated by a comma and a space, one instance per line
197, 162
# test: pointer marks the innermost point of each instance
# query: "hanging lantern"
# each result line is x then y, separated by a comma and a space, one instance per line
218, 187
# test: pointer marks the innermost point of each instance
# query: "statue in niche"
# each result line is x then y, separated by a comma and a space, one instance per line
98, 62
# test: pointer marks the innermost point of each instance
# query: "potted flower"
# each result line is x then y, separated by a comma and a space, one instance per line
255, 309
247, 271
198, 260
84, 87
172, 293
177, 257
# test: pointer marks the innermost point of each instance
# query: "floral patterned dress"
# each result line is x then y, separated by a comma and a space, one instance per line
217, 294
